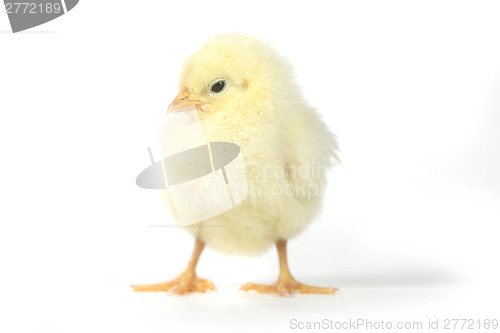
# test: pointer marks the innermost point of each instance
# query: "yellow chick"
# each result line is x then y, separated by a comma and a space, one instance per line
245, 92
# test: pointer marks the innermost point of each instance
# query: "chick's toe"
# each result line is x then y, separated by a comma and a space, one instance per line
184, 283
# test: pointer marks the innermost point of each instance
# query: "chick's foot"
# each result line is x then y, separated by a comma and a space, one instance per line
184, 283
286, 282
284, 287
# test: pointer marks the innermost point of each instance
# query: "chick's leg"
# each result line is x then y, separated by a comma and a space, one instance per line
286, 282
187, 281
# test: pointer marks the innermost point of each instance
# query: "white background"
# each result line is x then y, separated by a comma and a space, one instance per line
409, 229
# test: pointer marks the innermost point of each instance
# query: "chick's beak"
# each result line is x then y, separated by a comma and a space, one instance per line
182, 99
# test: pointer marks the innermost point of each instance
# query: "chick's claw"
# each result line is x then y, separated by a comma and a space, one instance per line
285, 288
182, 284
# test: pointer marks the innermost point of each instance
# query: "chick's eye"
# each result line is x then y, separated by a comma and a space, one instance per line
218, 86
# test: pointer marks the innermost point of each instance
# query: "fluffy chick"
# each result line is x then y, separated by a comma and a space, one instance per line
286, 147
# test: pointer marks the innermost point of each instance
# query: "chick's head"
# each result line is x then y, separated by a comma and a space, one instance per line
233, 74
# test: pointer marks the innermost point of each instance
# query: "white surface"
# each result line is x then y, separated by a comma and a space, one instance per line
410, 224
